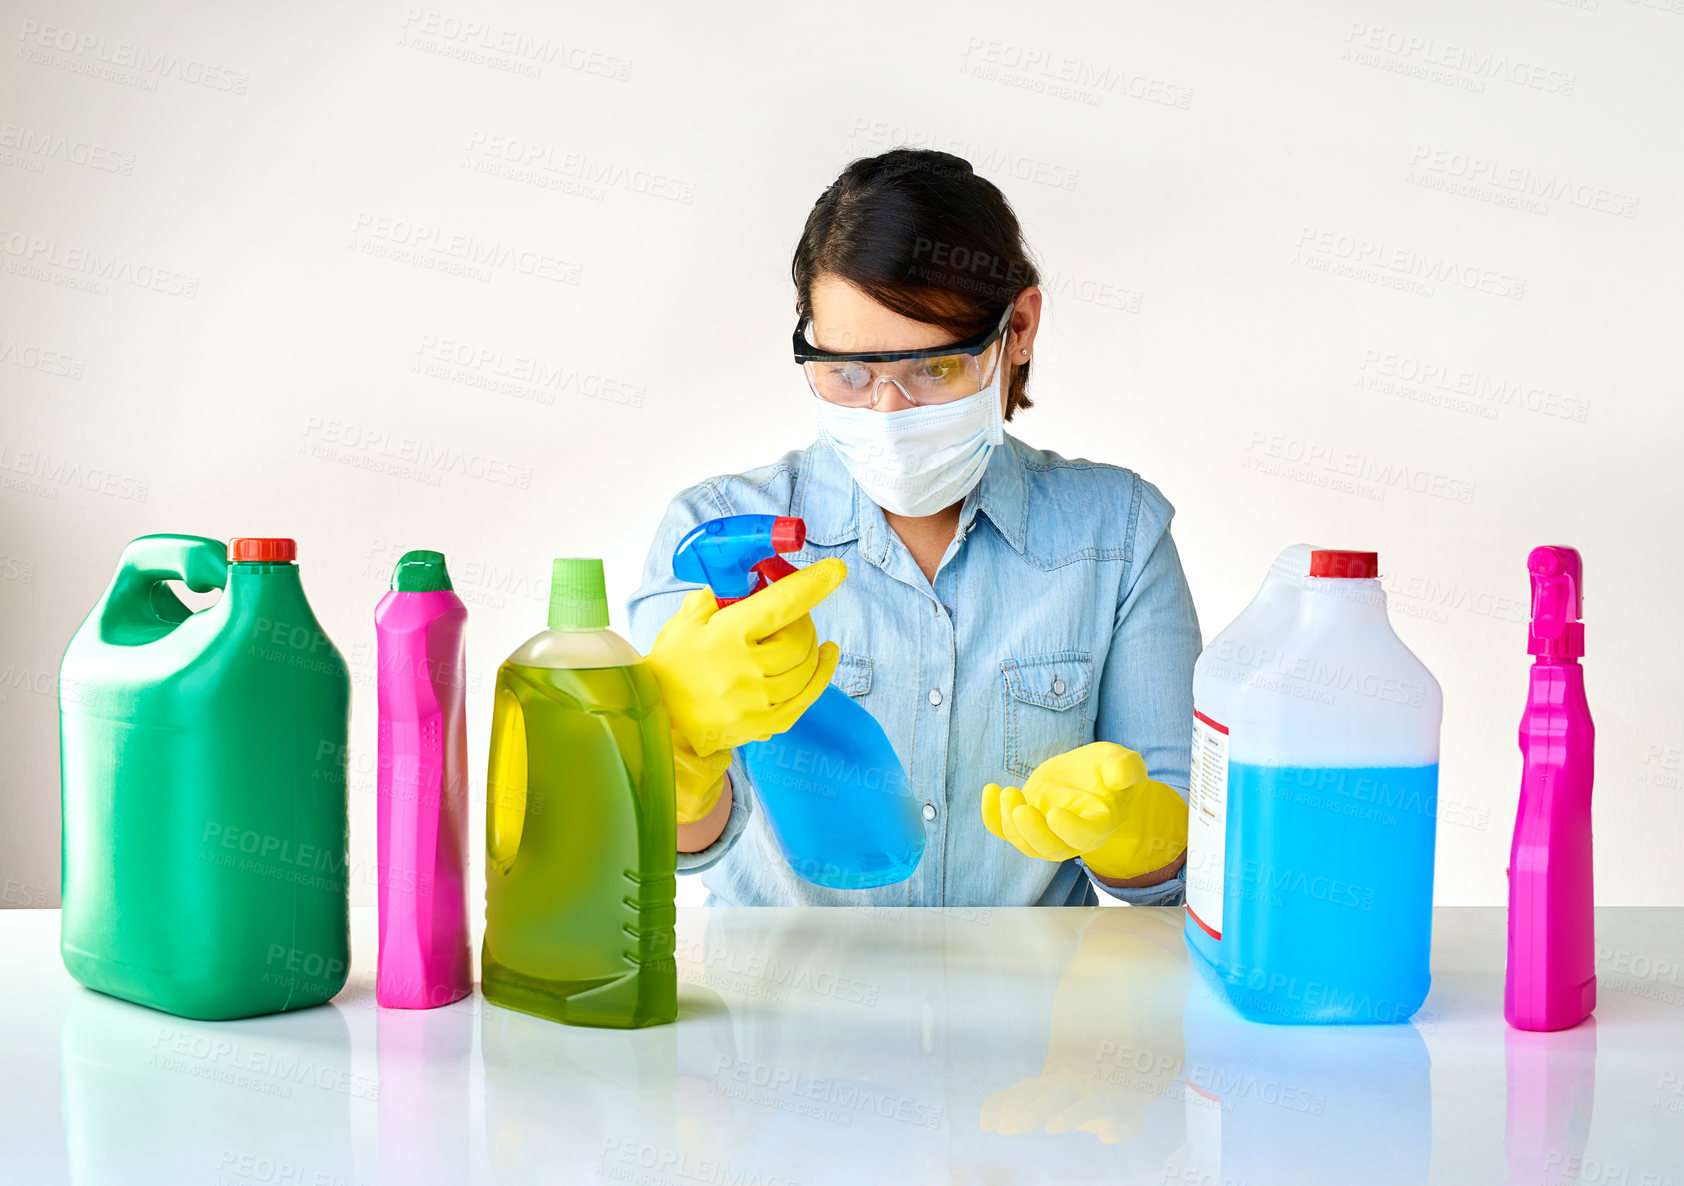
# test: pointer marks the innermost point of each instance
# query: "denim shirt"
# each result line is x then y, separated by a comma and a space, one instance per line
1059, 616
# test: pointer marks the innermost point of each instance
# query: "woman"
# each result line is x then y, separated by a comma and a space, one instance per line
1011, 618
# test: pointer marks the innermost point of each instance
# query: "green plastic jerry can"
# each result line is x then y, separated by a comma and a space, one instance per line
202, 758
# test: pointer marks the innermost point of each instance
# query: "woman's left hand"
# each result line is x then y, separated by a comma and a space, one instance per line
1095, 802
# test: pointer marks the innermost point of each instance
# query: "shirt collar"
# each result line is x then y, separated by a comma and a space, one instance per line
1002, 495
837, 510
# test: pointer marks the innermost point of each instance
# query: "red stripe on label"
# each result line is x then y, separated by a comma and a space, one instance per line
1217, 935
1223, 729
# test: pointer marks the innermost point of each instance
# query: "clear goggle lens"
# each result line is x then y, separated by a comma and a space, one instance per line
936, 380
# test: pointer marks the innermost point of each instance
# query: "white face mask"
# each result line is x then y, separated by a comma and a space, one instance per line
920, 460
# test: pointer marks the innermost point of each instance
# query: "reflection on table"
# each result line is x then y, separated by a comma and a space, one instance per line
149, 1097
840, 1046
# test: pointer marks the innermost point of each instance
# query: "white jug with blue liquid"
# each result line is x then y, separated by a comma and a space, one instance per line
1313, 803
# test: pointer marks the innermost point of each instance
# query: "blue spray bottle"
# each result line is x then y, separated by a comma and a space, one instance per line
834, 792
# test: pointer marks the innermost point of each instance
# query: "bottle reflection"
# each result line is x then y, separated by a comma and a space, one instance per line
1551, 1087
150, 1097
828, 1040
1107, 1086
1308, 1104
423, 1057
571, 1104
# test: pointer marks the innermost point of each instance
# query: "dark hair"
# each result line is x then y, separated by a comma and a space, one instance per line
920, 233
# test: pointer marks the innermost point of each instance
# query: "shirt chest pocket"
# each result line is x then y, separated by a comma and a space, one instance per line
1046, 706
853, 675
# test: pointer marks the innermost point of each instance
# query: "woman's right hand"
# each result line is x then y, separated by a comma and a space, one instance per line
738, 674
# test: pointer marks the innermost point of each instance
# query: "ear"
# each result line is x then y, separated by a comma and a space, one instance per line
1025, 323
1020, 347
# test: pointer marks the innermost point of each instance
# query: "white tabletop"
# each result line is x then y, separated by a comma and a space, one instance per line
863, 1046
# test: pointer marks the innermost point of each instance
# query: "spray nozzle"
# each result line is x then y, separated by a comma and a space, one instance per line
738, 554
1557, 602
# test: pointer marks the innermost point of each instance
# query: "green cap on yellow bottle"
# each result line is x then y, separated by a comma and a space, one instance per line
578, 594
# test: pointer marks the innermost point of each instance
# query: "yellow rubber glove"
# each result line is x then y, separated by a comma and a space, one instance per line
698, 781
1095, 802
739, 674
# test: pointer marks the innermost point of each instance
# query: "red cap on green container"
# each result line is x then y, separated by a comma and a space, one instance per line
248, 549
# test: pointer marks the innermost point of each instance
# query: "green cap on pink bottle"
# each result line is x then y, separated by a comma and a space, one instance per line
421, 571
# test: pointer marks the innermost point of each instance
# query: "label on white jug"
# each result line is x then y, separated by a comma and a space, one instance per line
1207, 823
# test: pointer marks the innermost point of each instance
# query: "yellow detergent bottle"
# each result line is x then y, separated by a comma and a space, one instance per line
581, 842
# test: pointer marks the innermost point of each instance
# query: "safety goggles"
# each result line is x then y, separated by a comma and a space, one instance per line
938, 375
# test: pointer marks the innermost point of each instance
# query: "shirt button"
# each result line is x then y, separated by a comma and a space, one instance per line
1058, 687
929, 811
935, 697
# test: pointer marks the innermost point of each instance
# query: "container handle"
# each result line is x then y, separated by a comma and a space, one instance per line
138, 598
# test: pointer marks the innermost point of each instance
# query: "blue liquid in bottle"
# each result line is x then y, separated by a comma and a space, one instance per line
837, 797
1327, 894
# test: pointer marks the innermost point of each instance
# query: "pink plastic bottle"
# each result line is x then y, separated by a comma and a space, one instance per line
422, 790
1551, 981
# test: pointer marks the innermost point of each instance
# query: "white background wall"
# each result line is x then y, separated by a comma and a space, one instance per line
1392, 276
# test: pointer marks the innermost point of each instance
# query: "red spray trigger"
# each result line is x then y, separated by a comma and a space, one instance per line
789, 534
774, 568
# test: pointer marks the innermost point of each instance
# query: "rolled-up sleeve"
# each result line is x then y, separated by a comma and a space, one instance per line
1146, 688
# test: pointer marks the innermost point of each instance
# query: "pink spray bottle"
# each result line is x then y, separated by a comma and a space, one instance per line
422, 790
1551, 981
